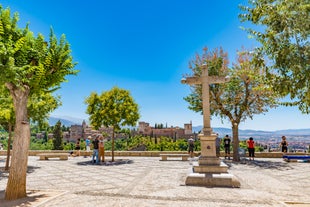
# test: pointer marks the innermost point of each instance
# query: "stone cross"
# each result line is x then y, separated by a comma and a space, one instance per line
205, 80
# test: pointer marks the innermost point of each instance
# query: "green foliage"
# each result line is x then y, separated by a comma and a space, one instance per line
115, 108
246, 94
29, 66
39, 144
69, 146
7, 115
149, 144
112, 108
282, 28
57, 139
29, 62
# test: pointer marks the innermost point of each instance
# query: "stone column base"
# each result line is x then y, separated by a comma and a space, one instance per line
216, 169
212, 180
203, 160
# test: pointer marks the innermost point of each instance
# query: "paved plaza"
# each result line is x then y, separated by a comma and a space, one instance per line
148, 182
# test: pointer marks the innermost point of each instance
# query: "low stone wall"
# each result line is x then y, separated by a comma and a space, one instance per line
153, 153
108, 153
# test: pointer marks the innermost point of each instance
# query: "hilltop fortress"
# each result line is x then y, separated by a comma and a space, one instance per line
174, 132
83, 131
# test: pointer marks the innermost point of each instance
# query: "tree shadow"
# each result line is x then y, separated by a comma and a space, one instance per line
107, 162
264, 164
31, 199
5, 173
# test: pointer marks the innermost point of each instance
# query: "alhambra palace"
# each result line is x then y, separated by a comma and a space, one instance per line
83, 131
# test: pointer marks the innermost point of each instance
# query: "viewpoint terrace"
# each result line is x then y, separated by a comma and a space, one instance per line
146, 181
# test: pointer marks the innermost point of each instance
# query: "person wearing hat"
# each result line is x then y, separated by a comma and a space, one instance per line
191, 147
87, 143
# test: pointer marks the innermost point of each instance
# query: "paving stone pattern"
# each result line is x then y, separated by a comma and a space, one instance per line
149, 182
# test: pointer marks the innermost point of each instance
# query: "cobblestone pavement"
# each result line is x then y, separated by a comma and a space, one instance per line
146, 181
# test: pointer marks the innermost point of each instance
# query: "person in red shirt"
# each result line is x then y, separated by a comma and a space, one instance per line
251, 148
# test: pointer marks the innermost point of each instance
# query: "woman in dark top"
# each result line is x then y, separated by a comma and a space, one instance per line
226, 142
284, 144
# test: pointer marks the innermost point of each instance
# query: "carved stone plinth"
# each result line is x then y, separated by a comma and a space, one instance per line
210, 171
212, 180
220, 168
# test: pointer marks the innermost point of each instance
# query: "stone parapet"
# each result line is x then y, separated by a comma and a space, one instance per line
154, 153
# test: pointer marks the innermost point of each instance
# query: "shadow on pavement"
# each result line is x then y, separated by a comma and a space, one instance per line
277, 165
5, 173
33, 198
107, 163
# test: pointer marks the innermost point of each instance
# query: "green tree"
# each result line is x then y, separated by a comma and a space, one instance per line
7, 119
115, 108
245, 95
57, 141
28, 65
38, 108
283, 28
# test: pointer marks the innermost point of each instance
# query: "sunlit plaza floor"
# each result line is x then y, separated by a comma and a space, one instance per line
147, 181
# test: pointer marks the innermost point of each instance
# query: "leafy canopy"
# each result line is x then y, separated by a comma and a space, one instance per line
29, 61
283, 28
112, 108
246, 94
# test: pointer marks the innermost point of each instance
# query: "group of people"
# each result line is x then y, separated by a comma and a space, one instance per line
97, 145
251, 146
98, 149
227, 142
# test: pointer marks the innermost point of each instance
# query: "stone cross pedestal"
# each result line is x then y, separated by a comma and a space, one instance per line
210, 171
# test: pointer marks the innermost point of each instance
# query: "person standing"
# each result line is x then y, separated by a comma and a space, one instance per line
95, 150
251, 148
191, 147
101, 148
226, 142
284, 144
87, 143
217, 145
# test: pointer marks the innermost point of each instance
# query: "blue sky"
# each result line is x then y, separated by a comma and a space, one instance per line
144, 47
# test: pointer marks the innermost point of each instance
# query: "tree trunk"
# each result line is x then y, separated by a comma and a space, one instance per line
113, 135
235, 140
8, 152
16, 186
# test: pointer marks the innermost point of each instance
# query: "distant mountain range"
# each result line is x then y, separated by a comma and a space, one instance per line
68, 121
249, 132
